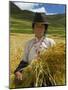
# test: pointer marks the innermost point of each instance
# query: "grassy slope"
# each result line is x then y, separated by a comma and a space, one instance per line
21, 22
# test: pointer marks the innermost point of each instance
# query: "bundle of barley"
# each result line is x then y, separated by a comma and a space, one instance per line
50, 65
55, 58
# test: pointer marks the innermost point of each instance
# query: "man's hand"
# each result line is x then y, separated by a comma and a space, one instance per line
18, 75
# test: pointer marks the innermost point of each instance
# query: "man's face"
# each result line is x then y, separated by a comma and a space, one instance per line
39, 29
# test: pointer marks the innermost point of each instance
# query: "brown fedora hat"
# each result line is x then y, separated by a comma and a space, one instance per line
40, 17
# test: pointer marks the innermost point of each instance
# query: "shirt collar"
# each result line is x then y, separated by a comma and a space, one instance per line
36, 39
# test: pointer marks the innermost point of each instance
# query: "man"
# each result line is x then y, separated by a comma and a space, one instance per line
37, 44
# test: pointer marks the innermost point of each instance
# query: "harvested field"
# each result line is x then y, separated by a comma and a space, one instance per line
54, 59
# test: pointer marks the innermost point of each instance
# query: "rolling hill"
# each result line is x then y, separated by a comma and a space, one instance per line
21, 20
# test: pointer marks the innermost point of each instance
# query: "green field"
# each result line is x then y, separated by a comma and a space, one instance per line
21, 22
22, 26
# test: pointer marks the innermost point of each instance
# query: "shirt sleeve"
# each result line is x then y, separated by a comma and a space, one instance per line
52, 42
26, 51
20, 67
24, 61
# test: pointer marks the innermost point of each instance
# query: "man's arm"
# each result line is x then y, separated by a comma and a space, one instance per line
23, 62
19, 69
52, 42
21, 66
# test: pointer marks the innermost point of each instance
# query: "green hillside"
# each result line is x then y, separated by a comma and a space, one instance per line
21, 21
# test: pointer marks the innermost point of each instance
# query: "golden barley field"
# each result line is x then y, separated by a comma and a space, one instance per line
17, 44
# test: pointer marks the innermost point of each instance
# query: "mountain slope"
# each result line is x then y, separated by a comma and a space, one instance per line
21, 20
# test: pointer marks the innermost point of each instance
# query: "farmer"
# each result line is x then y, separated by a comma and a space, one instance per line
36, 45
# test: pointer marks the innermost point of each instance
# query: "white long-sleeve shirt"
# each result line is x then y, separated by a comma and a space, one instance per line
34, 46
